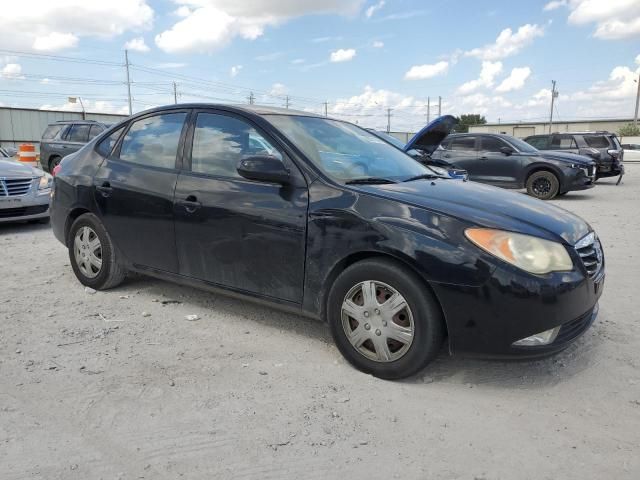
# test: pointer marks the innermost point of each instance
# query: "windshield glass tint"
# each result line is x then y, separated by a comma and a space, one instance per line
346, 152
522, 146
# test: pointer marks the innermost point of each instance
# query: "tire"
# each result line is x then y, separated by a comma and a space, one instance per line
53, 161
84, 231
421, 316
543, 184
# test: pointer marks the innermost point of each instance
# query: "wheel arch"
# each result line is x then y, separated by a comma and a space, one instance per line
71, 217
540, 167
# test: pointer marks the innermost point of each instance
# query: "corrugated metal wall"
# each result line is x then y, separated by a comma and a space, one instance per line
20, 125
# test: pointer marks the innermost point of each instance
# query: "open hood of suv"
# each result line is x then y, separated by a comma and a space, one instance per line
432, 134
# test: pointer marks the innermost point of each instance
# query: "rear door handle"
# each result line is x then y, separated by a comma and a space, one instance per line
190, 204
447, 156
105, 189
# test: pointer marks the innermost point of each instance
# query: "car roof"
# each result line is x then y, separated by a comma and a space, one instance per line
59, 122
254, 109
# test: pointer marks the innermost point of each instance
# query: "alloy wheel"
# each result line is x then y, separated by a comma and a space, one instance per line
377, 321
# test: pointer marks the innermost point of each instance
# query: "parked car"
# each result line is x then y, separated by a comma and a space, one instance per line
505, 161
323, 219
8, 153
64, 137
445, 170
631, 151
24, 192
603, 147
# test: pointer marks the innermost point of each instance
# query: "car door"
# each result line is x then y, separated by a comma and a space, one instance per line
495, 166
134, 189
461, 152
240, 234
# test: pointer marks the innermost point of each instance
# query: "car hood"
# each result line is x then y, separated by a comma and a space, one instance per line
489, 207
568, 158
9, 169
432, 134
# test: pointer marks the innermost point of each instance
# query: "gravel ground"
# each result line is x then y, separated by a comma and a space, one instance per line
119, 385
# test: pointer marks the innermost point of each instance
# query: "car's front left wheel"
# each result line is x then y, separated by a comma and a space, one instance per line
384, 319
93, 257
543, 185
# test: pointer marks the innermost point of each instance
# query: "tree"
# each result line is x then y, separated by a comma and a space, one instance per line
629, 130
466, 120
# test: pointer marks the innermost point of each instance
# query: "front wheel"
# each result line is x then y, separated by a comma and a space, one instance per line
92, 254
384, 319
543, 185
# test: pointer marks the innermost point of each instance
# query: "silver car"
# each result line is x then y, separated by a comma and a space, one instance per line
25, 192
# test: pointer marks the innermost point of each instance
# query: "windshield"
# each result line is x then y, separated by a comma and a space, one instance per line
346, 152
523, 146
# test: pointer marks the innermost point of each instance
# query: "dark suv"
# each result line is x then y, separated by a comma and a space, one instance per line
603, 147
506, 161
64, 137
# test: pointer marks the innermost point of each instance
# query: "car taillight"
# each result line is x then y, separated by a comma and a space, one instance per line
614, 153
56, 169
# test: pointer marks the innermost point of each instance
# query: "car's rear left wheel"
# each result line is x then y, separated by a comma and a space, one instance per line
384, 320
93, 257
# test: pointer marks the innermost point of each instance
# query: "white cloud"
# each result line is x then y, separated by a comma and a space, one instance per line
56, 25
638, 59
555, 4
614, 19
377, 44
488, 73
137, 44
542, 97
342, 55
515, 80
298, 61
11, 71
211, 24
45, 81
55, 41
278, 90
235, 70
421, 72
373, 8
508, 43
94, 106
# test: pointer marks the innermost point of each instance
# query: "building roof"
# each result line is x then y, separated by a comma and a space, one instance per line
600, 120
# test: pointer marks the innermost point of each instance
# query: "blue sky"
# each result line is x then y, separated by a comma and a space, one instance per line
496, 58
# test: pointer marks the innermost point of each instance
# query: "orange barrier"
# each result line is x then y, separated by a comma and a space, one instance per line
27, 154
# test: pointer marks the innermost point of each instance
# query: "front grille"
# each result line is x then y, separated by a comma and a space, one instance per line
22, 211
14, 187
590, 251
573, 329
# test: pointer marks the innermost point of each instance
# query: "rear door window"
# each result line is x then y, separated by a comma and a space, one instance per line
78, 133
563, 142
464, 144
51, 131
491, 144
153, 141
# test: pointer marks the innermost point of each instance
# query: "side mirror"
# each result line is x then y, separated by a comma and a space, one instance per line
506, 150
263, 168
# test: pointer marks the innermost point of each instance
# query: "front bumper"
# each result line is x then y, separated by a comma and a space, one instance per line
577, 179
512, 305
32, 206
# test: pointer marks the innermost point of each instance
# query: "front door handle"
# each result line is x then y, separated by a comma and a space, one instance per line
190, 204
105, 189
447, 156
484, 158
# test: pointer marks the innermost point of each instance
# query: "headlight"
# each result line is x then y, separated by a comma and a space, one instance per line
45, 182
532, 254
439, 170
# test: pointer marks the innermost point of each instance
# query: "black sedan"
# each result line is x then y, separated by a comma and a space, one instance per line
319, 217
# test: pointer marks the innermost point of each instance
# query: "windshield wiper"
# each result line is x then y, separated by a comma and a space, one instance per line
424, 176
369, 181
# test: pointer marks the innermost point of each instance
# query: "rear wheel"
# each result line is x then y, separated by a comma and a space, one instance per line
92, 254
53, 161
384, 320
543, 185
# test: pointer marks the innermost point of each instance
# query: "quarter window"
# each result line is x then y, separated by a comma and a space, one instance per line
220, 141
153, 141
78, 133
95, 131
52, 131
106, 145
465, 144
597, 141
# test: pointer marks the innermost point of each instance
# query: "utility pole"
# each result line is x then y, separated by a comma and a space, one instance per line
251, 98
126, 64
439, 105
428, 109
554, 94
635, 117
286, 101
175, 93
326, 106
389, 119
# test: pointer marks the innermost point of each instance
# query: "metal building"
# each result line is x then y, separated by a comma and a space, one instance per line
25, 125
524, 129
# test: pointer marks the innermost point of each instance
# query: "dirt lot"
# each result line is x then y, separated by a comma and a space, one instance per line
119, 385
